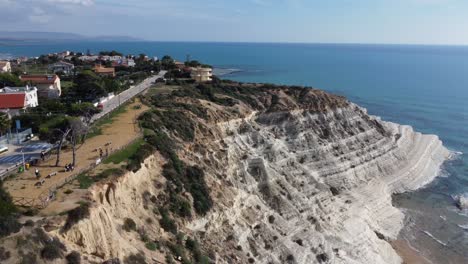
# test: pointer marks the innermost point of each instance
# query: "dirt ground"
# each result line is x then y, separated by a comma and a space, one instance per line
120, 132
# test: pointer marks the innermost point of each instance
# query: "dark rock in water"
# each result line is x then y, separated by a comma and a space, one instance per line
461, 201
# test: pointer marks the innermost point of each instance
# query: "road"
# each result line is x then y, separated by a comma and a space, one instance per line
126, 95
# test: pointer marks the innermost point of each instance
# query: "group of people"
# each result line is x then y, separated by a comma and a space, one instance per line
69, 167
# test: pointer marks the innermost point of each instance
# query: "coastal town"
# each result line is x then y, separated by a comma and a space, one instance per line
53, 105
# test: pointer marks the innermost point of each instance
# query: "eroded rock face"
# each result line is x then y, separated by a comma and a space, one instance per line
308, 187
296, 176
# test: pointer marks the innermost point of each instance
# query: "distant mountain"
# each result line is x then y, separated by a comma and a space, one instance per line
18, 37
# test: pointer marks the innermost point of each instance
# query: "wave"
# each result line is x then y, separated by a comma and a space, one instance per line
5, 56
434, 238
225, 71
464, 227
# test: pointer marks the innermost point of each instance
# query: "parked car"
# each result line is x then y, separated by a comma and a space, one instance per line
3, 148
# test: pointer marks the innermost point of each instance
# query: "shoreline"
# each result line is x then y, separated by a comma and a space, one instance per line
408, 254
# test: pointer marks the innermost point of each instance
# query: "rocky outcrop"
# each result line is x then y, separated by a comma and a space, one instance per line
296, 176
308, 187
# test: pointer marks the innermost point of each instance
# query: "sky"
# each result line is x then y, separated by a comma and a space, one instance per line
308, 21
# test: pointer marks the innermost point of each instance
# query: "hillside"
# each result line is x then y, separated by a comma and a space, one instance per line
249, 173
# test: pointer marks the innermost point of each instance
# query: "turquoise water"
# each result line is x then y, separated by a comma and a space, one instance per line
422, 86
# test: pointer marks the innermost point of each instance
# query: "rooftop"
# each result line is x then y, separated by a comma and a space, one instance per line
40, 79
12, 100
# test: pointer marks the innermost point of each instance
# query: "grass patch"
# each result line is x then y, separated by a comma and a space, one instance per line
85, 181
152, 246
96, 129
126, 153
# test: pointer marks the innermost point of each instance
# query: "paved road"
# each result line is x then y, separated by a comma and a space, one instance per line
127, 95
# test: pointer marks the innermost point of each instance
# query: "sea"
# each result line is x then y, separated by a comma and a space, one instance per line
419, 85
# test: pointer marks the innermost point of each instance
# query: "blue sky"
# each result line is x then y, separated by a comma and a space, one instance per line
337, 21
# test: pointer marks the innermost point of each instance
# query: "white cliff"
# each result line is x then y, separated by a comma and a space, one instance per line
306, 183
311, 188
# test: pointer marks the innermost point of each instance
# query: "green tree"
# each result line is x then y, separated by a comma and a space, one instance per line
8, 79
5, 123
88, 87
168, 63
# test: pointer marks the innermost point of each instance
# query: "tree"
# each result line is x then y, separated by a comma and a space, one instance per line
56, 131
8, 79
77, 136
167, 63
88, 86
5, 123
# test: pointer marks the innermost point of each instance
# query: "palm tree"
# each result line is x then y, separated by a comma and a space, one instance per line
5, 123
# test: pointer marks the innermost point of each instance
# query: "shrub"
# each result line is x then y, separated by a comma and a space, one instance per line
8, 217
73, 258
129, 225
196, 185
4, 254
85, 181
9, 224
53, 250
166, 222
76, 215
151, 246
135, 259
179, 205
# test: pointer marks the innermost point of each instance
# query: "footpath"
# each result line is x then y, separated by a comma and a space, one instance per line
120, 131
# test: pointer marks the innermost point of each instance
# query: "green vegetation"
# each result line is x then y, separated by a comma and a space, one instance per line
73, 258
129, 225
166, 222
152, 246
8, 79
135, 259
8, 214
53, 250
194, 247
126, 153
84, 181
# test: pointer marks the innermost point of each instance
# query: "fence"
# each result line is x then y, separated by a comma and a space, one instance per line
48, 195
15, 138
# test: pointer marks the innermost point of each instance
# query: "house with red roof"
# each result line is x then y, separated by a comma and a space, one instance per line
15, 99
48, 85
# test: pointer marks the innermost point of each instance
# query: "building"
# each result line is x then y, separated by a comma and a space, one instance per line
5, 66
62, 66
15, 99
200, 74
89, 58
48, 85
104, 71
63, 54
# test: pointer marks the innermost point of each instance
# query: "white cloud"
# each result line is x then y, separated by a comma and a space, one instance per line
73, 2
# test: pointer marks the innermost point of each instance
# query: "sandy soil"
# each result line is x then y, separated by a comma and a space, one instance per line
408, 254
120, 132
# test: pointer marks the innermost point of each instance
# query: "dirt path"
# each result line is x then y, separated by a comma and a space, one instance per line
120, 132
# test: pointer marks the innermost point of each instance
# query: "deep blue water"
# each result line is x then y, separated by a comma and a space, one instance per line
423, 86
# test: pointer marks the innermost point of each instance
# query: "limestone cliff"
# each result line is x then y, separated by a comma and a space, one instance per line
296, 175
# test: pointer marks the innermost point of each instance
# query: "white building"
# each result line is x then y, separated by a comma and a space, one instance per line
62, 66
200, 74
48, 85
5, 66
15, 99
89, 58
